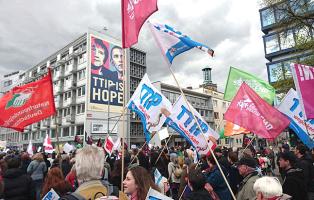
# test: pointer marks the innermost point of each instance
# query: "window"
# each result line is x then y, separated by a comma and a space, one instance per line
224, 105
216, 115
80, 130
7, 83
215, 103
66, 131
81, 74
80, 108
67, 95
286, 40
66, 112
268, 17
271, 43
81, 91
275, 72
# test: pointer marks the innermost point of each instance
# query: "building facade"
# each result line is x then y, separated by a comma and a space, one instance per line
74, 87
280, 41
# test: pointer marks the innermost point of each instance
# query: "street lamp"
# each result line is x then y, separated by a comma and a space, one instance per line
108, 111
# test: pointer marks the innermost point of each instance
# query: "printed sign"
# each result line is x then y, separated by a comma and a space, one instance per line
51, 195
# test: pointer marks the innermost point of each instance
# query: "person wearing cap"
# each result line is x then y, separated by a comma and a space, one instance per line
246, 167
293, 179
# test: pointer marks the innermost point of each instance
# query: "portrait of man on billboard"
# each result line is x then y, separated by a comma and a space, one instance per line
116, 61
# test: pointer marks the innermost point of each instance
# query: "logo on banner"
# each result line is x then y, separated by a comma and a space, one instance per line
19, 99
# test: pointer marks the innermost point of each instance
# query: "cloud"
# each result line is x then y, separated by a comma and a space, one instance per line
33, 30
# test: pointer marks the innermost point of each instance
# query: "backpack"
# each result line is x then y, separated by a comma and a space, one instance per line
177, 171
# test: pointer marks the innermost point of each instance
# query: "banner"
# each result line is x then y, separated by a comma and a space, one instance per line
106, 75
250, 111
48, 148
234, 129
182, 121
155, 195
134, 14
172, 42
291, 107
30, 148
27, 104
149, 104
237, 77
303, 77
109, 145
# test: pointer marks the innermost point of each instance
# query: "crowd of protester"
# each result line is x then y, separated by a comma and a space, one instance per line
90, 173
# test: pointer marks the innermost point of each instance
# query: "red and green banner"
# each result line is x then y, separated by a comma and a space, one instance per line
27, 104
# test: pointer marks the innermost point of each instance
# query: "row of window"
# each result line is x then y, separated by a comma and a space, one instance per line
137, 70
281, 70
138, 57
284, 40
77, 109
195, 101
62, 132
224, 104
277, 13
136, 129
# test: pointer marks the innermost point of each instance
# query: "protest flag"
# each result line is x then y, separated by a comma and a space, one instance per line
99, 143
27, 104
48, 148
183, 122
109, 145
30, 148
303, 77
234, 129
236, 77
251, 112
155, 195
291, 107
172, 42
148, 102
134, 14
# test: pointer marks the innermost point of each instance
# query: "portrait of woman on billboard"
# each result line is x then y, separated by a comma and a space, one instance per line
99, 56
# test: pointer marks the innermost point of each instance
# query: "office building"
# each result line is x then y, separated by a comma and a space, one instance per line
88, 92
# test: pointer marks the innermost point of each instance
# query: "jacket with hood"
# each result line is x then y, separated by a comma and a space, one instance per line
294, 184
18, 185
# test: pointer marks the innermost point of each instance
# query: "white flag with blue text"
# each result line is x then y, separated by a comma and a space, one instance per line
151, 106
182, 121
173, 42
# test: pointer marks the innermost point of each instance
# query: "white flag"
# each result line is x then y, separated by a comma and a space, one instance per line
30, 148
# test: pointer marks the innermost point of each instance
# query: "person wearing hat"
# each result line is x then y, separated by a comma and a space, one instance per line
246, 167
293, 179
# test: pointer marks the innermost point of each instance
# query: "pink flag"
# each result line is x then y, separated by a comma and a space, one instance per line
134, 14
303, 77
250, 111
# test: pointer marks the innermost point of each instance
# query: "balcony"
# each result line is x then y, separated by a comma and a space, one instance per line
70, 119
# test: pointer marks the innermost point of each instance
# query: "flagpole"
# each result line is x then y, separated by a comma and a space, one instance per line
123, 114
210, 137
163, 149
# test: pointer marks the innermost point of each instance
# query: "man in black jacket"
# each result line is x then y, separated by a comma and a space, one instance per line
17, 184
305, 162
293, 180
197, 181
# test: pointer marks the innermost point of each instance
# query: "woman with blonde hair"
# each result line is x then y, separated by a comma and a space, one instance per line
37, 168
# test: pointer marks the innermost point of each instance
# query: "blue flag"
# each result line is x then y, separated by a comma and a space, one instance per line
173, 42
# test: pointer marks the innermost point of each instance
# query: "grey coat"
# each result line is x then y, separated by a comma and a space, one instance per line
246, 191
37, 169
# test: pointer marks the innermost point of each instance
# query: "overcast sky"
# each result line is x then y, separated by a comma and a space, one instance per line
32, 30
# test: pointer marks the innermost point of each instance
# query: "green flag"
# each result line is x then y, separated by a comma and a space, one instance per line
261, 87
222, 134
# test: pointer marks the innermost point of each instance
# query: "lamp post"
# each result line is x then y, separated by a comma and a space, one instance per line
108, 110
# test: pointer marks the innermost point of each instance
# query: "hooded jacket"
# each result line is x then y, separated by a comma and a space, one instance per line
18, 185
294, 184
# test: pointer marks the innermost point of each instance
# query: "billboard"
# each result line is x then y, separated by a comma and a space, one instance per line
106, 75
